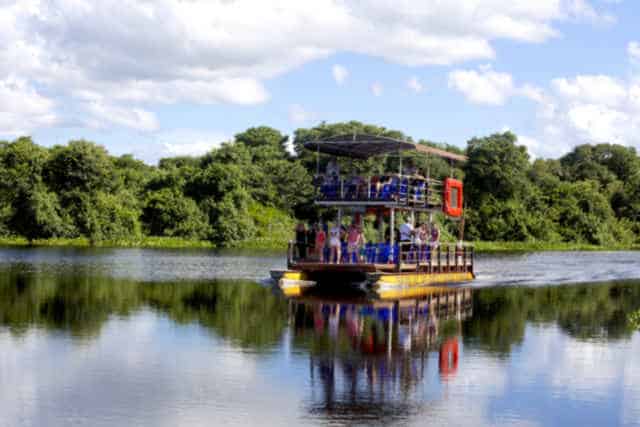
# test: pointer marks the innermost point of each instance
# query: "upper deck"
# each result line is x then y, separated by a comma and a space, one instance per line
391, 190
400, 189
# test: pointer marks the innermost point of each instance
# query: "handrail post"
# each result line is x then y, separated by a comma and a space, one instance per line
290, 254
448, 258
472, 259
341, 189
439, 259
368, 188
464, 259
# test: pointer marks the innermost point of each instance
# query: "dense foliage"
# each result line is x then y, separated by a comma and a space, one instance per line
250, 190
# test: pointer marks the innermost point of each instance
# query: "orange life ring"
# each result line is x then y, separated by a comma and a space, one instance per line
452, 205
448, 360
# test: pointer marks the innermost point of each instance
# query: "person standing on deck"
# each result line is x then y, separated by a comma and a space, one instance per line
335, 244
301, 240
435, 235
321, 237
406, 232
354, 242
311, 239
420, 235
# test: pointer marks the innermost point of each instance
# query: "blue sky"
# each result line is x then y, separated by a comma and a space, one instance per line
166, 78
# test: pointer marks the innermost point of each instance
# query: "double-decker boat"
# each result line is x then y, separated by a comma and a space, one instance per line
387, 267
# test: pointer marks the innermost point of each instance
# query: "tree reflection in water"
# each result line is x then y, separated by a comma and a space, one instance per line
365, 356
368, 360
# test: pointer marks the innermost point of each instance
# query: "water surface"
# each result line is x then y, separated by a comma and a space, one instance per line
155, 338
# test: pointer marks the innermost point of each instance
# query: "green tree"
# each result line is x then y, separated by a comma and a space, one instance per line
496, 166
168, 212
29, 209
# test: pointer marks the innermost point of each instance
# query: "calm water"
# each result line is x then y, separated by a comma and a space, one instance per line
155, 338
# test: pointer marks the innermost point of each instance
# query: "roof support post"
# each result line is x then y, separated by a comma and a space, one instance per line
392, 233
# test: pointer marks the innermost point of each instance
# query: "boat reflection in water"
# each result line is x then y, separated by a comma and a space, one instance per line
365, 353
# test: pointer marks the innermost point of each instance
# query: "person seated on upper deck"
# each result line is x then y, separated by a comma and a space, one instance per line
354, 189
355, 241
419, 187
332, 169
385, 187
410, 170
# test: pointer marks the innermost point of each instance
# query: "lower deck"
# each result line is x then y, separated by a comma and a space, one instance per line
408, 270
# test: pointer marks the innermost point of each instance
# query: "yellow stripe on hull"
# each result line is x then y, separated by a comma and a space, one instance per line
293, 283
412, 284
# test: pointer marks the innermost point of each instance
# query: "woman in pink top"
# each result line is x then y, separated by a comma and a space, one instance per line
354, 241
321, 237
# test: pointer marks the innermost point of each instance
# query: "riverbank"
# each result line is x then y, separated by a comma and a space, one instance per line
494, 247
151, 242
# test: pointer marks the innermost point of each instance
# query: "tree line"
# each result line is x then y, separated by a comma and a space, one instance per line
254, 188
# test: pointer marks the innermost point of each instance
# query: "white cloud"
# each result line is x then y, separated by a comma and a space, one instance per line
298, 114
415, 85
22, 108
134, 118
595, 108
533, 145
222, 52
633, 49
189, 142
597, 89
584, 109
340, 73
376, 89
485, 87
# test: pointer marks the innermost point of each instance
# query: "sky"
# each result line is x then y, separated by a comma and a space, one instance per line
160, 78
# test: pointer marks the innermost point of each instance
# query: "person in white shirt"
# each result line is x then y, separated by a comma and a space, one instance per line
406, 232
335, 244
332, 168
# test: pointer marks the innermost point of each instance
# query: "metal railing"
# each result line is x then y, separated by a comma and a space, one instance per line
438, 258
433, 258
401, 189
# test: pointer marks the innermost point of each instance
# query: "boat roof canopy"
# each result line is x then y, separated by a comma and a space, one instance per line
362, 146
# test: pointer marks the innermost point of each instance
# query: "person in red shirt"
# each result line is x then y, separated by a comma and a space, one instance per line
321, 238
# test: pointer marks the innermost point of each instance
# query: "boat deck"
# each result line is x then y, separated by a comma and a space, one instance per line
433, 267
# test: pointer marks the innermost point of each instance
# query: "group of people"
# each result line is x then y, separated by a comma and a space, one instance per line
420, 235
311, 242
406, 189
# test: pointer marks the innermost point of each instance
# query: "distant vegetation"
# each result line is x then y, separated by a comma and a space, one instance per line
248, 192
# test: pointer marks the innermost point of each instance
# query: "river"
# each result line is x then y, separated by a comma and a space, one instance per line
117, 337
